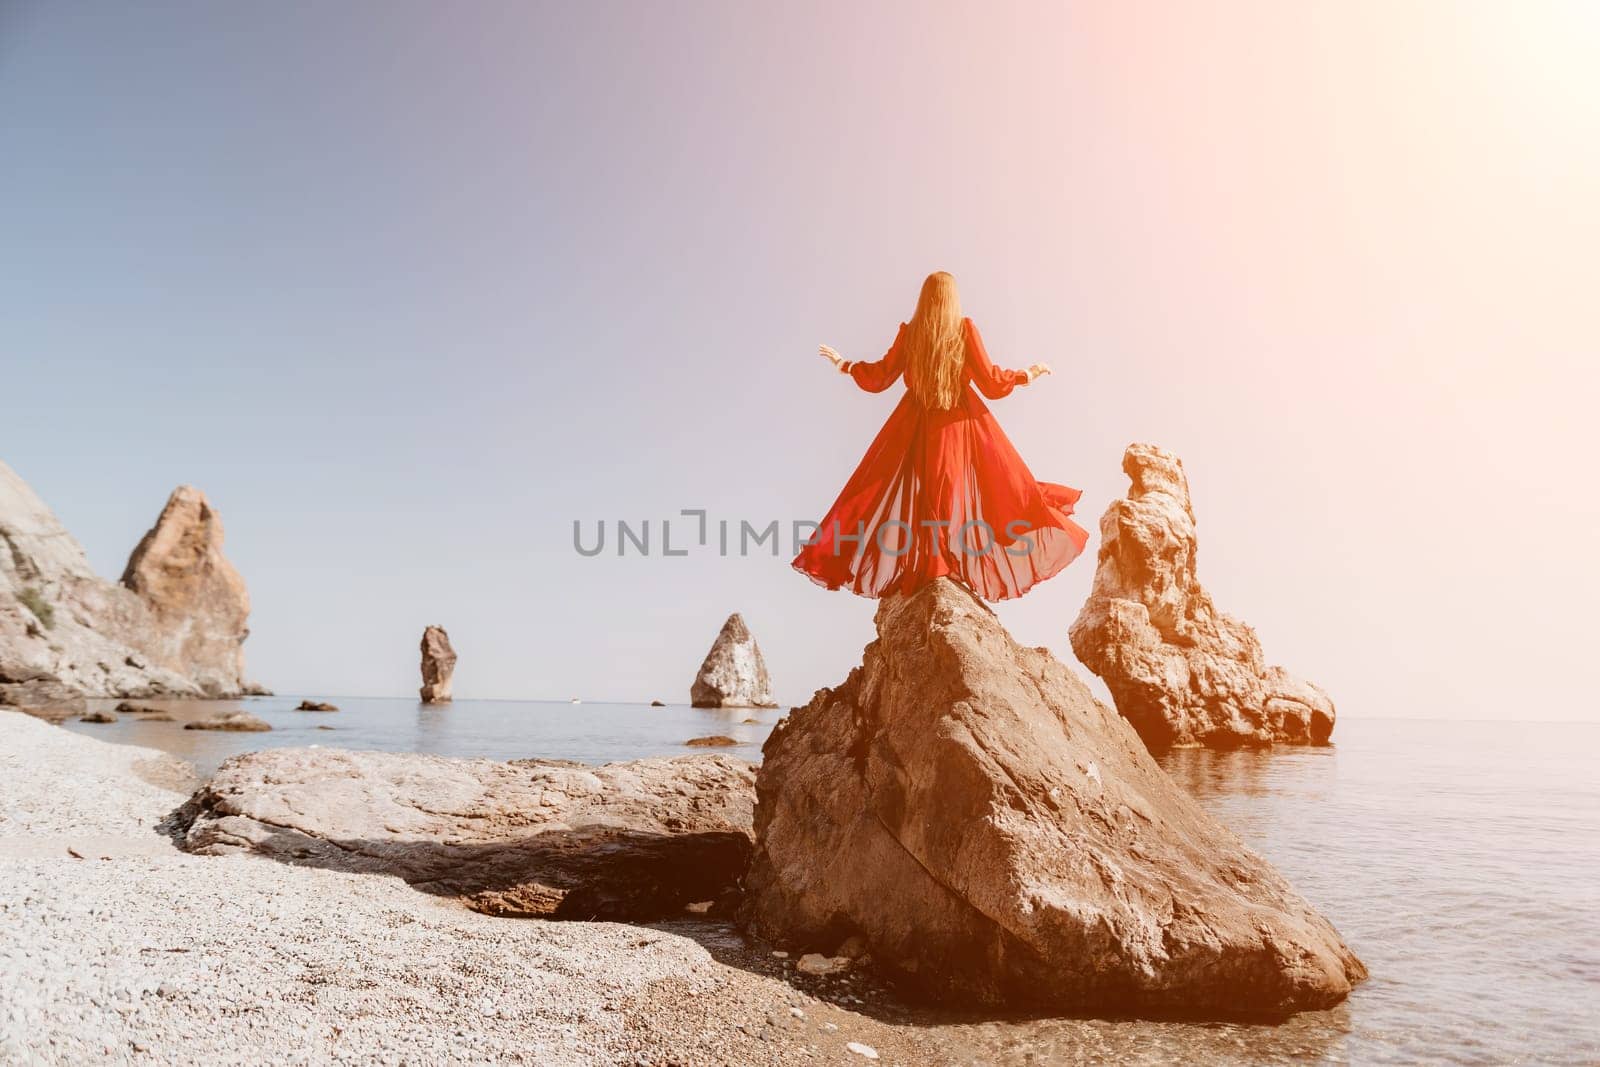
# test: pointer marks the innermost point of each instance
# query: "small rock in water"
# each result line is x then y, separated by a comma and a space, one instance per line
316, 705
714, 741
241, 721
657, 704
98, 716
862, 1050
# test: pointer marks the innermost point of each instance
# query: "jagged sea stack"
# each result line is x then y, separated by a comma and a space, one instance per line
175, 625
1182, 672
438, 665
200, 603
999, 838
733, 675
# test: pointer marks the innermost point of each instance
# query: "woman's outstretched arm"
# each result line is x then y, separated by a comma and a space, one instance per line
991, 381
877, 375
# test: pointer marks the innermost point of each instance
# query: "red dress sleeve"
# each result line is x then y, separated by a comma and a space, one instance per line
991, 381
878, 375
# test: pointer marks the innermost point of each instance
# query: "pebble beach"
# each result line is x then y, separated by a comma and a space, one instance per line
116, 947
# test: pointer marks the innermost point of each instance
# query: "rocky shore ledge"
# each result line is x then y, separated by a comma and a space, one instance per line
544, 839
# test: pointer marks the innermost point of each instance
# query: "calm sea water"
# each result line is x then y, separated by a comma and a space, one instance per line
1460, 860
497, 729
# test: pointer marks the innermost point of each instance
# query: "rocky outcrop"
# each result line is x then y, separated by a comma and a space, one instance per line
1178, 669
733, 674
198, 602
995, 836
438, 664
175, 628
547, 839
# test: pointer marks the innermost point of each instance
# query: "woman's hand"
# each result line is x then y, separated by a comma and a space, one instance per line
1038, 370
832, 357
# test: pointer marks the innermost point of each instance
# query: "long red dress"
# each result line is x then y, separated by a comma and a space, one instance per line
943, 493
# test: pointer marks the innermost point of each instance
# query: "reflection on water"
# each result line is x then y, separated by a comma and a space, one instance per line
1460, 860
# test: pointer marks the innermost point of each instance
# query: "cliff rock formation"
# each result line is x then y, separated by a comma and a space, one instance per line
733, 675
438, 664
536, 838
1181, 671
995, 836
174, 627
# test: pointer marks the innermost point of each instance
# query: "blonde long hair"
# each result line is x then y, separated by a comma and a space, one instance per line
936, 344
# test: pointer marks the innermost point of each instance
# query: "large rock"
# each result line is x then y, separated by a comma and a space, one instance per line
198, 602
733, 674
438, 665
174, 629
997, 837
549, 839
1178, 669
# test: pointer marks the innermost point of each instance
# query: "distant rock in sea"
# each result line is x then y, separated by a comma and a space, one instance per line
98, 716
174, 626
631, 841
964, 812
714, 741
1182, 672
733, 674
315, 705
236, 721
438, 665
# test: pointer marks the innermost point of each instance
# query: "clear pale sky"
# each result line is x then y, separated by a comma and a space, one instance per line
406, 288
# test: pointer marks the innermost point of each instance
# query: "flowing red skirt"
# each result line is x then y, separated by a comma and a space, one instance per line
943, 493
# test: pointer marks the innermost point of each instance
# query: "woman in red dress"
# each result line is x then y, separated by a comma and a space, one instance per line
942, 492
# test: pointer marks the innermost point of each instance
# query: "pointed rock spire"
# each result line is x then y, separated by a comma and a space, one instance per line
438, 665
1181, 671
733, 675
200, 603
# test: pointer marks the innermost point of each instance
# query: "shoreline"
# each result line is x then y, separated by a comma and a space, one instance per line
286, 964
138, 955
